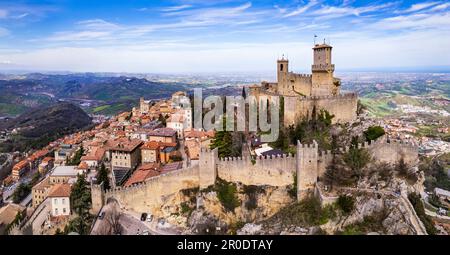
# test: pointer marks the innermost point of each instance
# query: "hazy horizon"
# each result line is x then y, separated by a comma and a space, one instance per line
183, 36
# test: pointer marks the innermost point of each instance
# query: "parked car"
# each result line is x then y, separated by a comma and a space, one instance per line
149, 218
101, 215
143, 216
145, 233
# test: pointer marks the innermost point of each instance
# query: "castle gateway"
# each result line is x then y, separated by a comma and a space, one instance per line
304, 92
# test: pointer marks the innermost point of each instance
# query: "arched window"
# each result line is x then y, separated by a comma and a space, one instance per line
281, 67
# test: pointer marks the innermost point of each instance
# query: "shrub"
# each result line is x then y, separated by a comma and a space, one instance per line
308, 212
227, 194
346, 203
292, 191
186, 209
373, 132
252, 192
420, 210
21, 192
370, 223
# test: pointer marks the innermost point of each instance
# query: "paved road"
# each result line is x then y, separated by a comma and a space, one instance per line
129, 224
154, 227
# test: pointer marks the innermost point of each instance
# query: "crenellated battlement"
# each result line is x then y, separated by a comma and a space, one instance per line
347, 96
249, 158
300, 75
310, 145
153, 180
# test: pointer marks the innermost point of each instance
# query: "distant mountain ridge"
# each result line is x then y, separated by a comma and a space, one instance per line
21, 92
37, 127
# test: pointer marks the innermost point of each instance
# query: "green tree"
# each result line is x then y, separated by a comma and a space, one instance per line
356, 159
417, 203
346, 203
224, 141
373, 132
21, 192
282, 141
102, 176
76, 160
162, 119
80, 199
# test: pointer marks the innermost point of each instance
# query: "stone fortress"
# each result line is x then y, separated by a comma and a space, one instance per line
303, 92
308, 165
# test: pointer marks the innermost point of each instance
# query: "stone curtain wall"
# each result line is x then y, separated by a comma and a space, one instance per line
342, 106
308, 164
149, 195
275, 171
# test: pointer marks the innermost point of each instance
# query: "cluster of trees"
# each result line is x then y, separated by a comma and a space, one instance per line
373, 132
347, 169
229, 143
21, 192
102, 176
80, 201
317, 128
417, 203
76, 159
435, 173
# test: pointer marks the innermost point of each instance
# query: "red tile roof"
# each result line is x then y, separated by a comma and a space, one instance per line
143, 172
60, 190
153, 145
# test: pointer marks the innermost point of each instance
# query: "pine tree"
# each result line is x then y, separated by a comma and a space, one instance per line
102, 176
80, 199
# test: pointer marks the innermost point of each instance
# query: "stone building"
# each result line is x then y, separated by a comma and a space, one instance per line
150, 152
126, 154
304, 92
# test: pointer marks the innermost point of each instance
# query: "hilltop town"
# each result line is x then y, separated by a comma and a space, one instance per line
333, 170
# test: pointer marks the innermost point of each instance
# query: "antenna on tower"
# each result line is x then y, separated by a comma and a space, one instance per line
324, 40
315, 36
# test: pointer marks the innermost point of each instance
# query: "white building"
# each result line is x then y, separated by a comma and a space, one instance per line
180, 121
59, 197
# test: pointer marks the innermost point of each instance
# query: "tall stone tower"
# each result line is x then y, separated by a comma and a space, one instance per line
282, 75
323, 81
97, 197
307, 168
207, 167
143, 106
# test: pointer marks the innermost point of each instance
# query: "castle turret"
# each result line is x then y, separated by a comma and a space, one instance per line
97, 197
282, 75
207, 167
307, 168
323, 82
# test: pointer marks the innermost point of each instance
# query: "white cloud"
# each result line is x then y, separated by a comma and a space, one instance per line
21, 16
340, 11
79, 36
302, 9
3, 13
3, 31
440, 7
98, 24
418, 7
415, 21
176, 8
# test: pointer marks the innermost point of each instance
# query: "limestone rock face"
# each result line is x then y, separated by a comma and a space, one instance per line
250, 229
202, 212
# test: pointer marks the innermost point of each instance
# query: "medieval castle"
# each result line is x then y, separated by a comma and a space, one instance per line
303, 92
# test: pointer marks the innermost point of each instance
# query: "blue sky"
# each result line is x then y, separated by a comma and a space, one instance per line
220, 36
